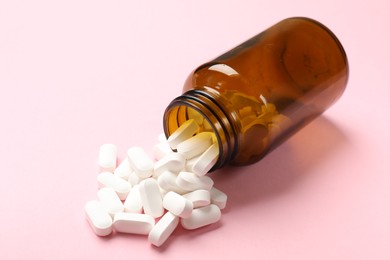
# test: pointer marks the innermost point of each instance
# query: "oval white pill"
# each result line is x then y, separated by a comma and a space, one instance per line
199, 198
121, 187
218, 198
177, 204
190, 181
161, 149
195, 145
163, 229
173, 162
140, 162
133, 223
110, 200
98, 218
201, 217
133, 202
206, 161
185, 131
167, 181
123, 170
107, 157
151, 197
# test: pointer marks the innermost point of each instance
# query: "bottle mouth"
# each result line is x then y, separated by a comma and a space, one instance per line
205, 110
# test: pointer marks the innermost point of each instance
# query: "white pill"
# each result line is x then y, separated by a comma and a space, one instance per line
123, 170
110, 200
190, 163
161, 149
199, 198
134, 179
121, 187
185, 131
151, 197
190, 181
167, 181
201, 217
218, 198
177, 204
206, 161
133, 223
173, 162
107, 157
195, 145
98, 218
133, 202
163, 229
140, 162
162, 138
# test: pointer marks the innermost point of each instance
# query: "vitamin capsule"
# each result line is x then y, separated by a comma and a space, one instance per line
134, 179
140, 162
185, 131
218, 198
110, 200
201, 217
121, 187
173, 162
163, 229
98, 218
195, 145
133, 202
123, 170
151, 197
161, 149
177, 204
206, 161
167, 181
190, 181
133, 223
107, 157
199, 198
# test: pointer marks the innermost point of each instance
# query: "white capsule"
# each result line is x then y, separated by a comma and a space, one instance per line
98, 218
195, 145
123, 170
161, 149
173, 162
133, 202
121, 187
190, 163
190, 181
134, 179
218, 198
199, 198
107, 157
163, 229
201, 217
177, 204
167, 181
206, 161
151, 197
140, 162
133, 223
110, 200
185, 131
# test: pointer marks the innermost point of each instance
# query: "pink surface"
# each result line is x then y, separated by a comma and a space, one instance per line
77, 74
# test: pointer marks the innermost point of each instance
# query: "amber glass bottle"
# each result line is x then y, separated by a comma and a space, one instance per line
258, 94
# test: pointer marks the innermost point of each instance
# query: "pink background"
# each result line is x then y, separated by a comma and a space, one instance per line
77, 74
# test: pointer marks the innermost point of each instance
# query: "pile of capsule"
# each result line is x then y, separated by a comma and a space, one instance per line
151, 197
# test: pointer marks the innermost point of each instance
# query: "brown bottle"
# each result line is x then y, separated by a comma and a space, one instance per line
258, 94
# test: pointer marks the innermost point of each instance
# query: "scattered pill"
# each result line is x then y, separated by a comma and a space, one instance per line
218, 197
151, 197
177, 204
173, 162
110, 200
167, 181
163, 229
140, 162
133, 223
161, 149
107, 157
195, 145
199, 198
98, 218
121, 187
185, 131
206, 161
133, 201
123, 170
190, 181
201, 217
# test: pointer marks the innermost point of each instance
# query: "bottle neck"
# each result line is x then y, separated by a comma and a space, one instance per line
207, 104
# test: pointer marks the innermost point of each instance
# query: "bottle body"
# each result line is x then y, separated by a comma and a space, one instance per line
261, 92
